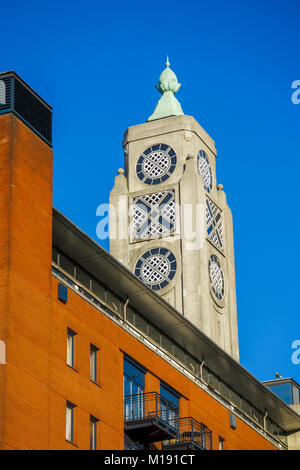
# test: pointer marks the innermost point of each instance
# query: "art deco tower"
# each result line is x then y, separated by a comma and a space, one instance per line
169, 220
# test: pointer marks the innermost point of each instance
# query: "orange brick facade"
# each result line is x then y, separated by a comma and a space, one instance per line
36, 382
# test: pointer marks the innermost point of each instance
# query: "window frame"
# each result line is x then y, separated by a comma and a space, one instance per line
94, 363
221, 443
93, 432
71, 347
69, 435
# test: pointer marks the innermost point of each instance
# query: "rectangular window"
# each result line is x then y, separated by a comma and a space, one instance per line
66, 264
93, 432
283, 391
221, 443
94, 363
70, 421
169, 406
134, 384
71, 347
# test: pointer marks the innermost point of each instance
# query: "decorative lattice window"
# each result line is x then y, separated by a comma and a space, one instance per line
216, 277
156, 268
154, 215
156, 164
204, 170
214, 224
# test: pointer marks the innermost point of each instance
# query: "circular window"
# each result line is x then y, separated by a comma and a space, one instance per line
156, 164
204, 170
156, 268
216, 277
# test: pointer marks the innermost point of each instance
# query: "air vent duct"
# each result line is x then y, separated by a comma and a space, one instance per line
17, 97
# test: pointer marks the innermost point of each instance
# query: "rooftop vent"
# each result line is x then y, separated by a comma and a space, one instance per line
17, 97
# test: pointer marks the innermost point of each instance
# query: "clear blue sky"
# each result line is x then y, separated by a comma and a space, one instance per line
97, 63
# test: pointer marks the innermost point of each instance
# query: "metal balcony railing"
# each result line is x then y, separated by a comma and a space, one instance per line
150, 418
191, 435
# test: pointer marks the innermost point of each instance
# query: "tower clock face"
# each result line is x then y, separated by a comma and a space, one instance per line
156, 164
156, 268
204, 170
216, 277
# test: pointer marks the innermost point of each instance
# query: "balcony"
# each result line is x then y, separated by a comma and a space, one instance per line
191, 435
150, 418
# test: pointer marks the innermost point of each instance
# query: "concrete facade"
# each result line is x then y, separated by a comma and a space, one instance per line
190, 291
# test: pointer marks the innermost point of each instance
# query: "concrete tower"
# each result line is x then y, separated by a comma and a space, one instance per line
169, 220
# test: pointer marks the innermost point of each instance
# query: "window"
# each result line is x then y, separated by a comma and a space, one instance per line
283, 391
134, 384
83, 277
93, 432
66, 264
70, 421
62, 293
94, 363
71, 347
221, 443
169, 407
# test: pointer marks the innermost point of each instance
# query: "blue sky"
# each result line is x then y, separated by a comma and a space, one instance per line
97, 63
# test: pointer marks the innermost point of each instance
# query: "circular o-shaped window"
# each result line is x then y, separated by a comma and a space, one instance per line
156, 164
216, 277
156, 268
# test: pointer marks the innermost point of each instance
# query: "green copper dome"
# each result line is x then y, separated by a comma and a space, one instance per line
167, 105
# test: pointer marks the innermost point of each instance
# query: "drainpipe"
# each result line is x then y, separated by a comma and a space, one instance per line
265, 419
125, 308
201, 366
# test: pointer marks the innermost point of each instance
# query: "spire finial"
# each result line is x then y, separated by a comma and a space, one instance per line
168, 85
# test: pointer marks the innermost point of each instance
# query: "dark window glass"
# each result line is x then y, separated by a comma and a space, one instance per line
169, 406
134, 373
167, 343
214, 382
169, 395
140, 323
283, 391
66, 264
113, 301
179, 353
205, 374
93, 432
54, 255
93, 363
98, 289
129, 315
134, 380
245, 407
225, 390
235, 398
83, 277
154, 333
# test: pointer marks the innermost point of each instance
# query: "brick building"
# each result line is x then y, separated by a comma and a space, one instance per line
91, 357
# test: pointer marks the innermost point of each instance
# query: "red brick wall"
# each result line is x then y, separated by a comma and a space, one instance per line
105, 402
25, 234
